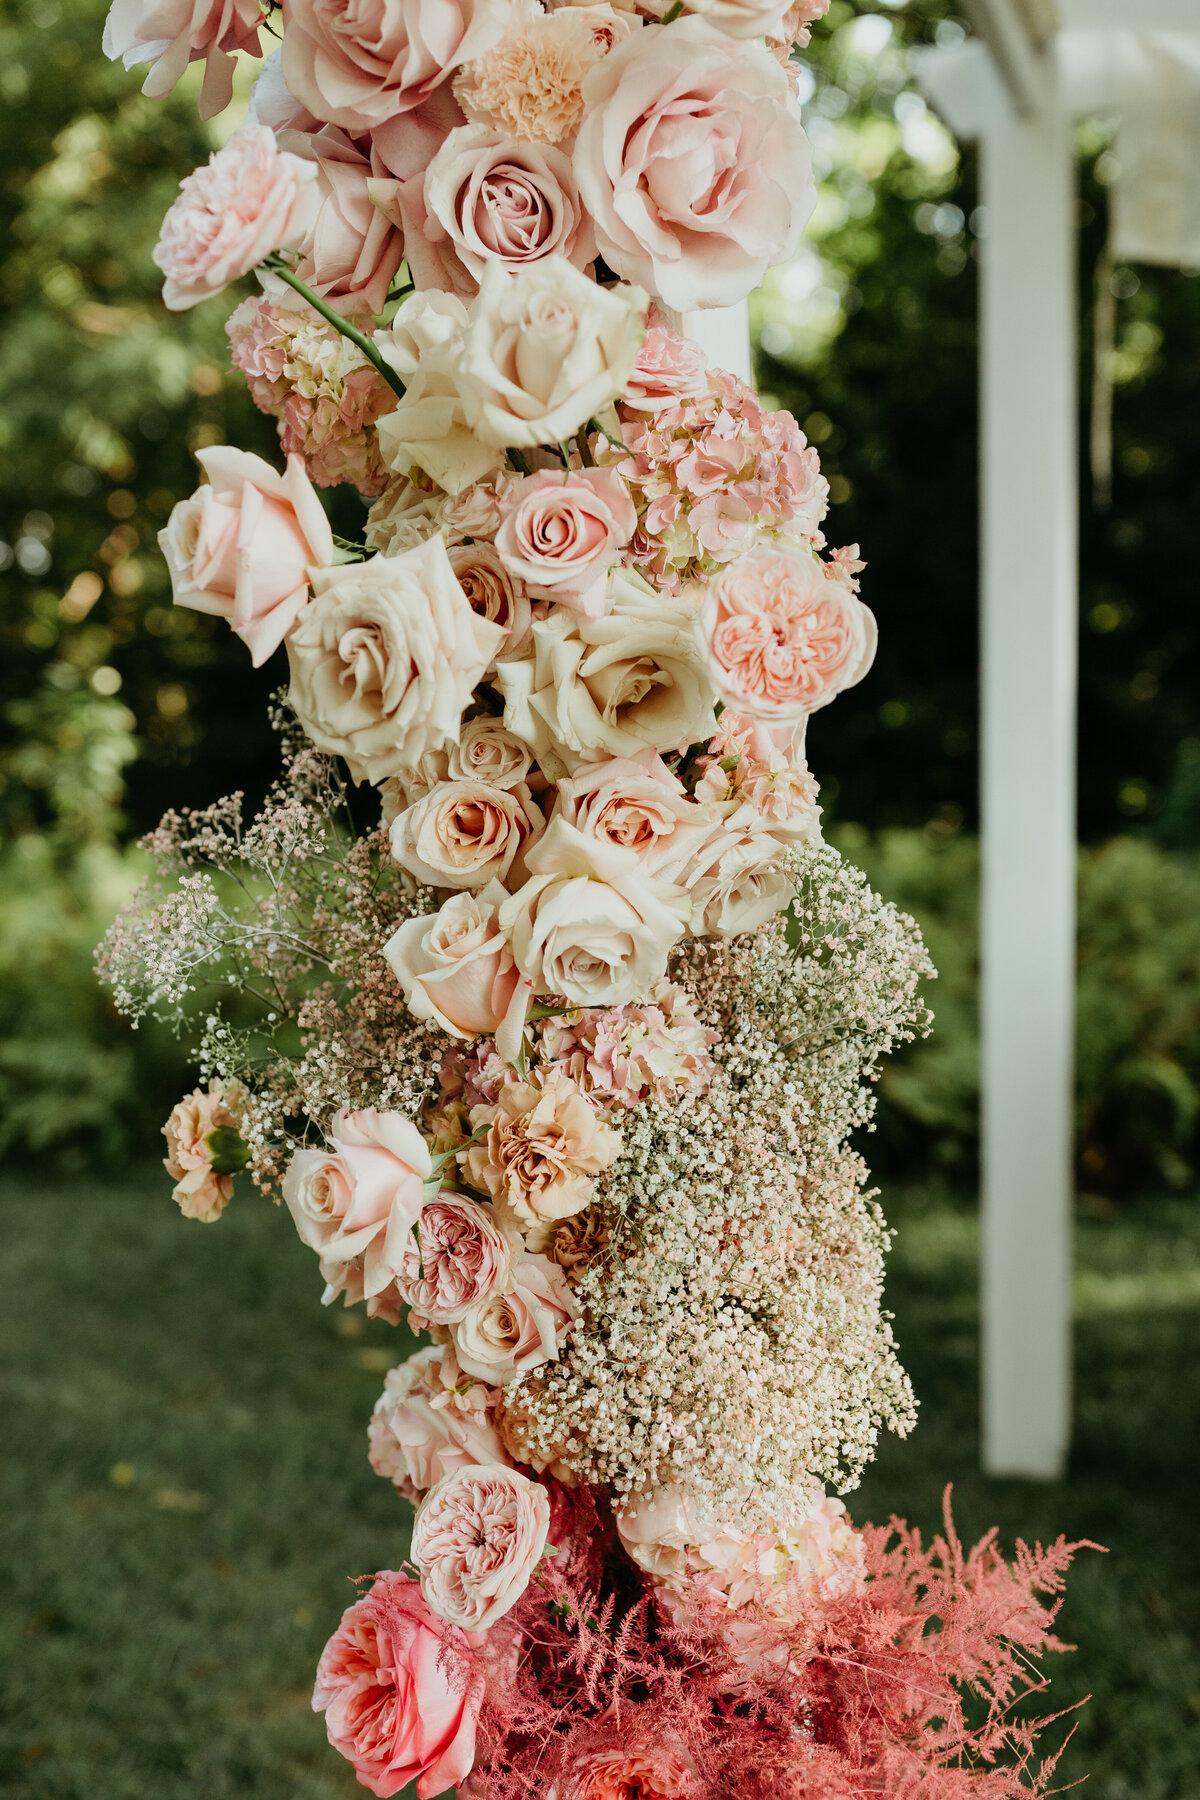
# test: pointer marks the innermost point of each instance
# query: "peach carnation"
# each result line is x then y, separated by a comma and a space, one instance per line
531, 84
203, 1191
544, 1147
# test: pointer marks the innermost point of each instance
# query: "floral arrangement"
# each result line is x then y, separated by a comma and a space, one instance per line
555, 1049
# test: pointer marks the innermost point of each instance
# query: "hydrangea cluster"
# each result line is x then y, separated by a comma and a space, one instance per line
552, 1037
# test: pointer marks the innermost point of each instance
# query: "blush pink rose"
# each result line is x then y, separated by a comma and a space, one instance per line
693, 163
360, 66
670, 368
783, 634
352, 249
464, 1259
512, 1332
401, 1692
431, 1419
170, 34
637, 803
249, 199
243, 546
477, 1538
457, 969
361, 1197
492, 594
464, 834
560, 534
490, 197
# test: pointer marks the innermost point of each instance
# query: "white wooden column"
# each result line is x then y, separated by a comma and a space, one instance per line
723, 333
1029, 628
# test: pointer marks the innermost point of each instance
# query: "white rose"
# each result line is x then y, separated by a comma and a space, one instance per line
587, 924
429, 429
735, 879
487, 751
545, 351
463, 834
633, 679
425, 322
384, 659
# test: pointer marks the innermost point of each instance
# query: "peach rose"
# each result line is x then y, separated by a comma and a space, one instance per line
429, 1420
784, 633
636, 803
457, 969
544, 351
248, 200
362, 1197
202, 1190
490, 198
693, 163
618, 1770
401, 1692
631, 680
587, 925
465, 1258
561, 534
464, 834
492, 593
485, 751
352, 249
385, 659
170, 34
545, 1146
508, 1334
362, 66
245, 546
477, 1538
735, 879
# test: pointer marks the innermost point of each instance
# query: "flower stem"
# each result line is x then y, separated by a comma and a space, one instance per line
672, 13
277, 266
584, 448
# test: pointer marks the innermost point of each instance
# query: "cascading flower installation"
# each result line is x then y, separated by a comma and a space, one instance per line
559, 1059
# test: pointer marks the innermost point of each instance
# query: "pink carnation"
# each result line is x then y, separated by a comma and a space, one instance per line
201, 1193
626, 1054
430, 1419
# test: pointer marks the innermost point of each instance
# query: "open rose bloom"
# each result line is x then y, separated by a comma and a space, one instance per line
556, 1014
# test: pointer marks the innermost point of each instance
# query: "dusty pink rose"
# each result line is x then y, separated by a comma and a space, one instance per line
477, 1538
464, 834
431, 1419
670, 368
545, 1145
352, 249
618, 1770
249, 199
464, 1259
243, 547
490, 197
170, 34
560, 534
360, 66
401, 1692
493, 594
510, 1333
638, 804
362, 1196
456, 968
783, 634
201, 1192
693, 163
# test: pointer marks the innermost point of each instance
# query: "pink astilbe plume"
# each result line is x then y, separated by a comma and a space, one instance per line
910, 1684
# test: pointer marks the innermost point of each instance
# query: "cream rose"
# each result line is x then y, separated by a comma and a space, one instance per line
507, 1335
784, 633
428, 1421
545, 350
693, 163
587, 924
544, 1147
403, 516
245, 546
457, 969
561, 534
429, 429
492, 198
463, 834
385, 659
486, 751
477, 1538
362, 1197
423, 323
247, 200
493, 594
743, 18
631, 680
361, 66
736, 879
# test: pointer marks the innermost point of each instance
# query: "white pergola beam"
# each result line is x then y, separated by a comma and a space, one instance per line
1005, 28
1029, 626
1120, 15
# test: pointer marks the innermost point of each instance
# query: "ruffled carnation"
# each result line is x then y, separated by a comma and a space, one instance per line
531, 84
430, 1419
623, 1055
203, 1191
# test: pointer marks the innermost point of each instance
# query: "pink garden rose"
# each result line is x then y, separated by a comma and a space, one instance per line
465, 1258
200, 1192
431, 1419
561, 534
457, 969
618, 1770
362, 66
477, 1538
170, 34
401, 1692
693, 163
511, 1332
670, 368
784, 633
352, 250
362, 1196
489, 197
244, 546
249, 199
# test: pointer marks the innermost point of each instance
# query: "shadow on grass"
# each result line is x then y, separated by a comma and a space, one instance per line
185, 1490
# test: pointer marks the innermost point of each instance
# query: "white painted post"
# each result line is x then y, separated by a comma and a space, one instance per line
723, 333
1029, 628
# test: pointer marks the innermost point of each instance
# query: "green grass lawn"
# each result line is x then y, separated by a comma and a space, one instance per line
185, 1489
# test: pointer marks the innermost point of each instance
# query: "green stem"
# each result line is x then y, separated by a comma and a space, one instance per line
672, 13
519, 461
584, 448
277, 266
